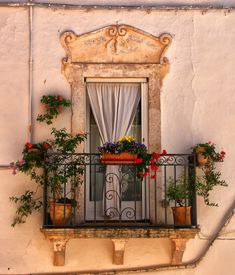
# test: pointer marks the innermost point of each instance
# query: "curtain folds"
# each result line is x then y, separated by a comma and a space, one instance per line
114, 107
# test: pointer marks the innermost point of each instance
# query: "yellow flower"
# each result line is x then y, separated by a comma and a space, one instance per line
127, 138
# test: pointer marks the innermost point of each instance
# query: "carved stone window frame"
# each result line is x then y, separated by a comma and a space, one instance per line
117, 51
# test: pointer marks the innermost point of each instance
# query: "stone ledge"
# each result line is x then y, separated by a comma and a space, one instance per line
119, 236
125, 232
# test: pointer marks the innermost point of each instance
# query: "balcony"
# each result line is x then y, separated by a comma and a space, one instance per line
112, 201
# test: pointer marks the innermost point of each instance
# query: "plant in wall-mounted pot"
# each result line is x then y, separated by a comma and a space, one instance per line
63, 175
179, 192
53, 106
207, 151
207, 157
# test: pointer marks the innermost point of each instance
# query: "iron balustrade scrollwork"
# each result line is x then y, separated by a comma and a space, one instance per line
114, 195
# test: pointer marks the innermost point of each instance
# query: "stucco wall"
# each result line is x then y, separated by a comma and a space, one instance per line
197, 104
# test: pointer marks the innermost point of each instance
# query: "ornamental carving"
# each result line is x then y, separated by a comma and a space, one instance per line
115, 44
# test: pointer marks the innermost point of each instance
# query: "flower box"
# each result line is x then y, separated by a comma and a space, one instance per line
122, 158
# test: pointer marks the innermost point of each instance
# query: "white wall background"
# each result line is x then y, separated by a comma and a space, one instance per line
224, 3
197, 105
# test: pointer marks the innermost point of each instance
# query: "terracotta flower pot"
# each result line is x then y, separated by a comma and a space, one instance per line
122, 158
60, 213
182, 215
201, 159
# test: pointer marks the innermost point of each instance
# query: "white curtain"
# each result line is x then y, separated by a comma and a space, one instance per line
114, 107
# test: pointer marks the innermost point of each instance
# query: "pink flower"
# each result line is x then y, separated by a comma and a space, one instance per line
153, 176
164, 152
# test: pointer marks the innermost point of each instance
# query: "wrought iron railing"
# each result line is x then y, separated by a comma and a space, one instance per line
94, 194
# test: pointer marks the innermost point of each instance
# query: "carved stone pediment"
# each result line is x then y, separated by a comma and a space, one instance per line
115, 44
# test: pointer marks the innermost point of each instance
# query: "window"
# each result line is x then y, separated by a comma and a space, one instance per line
130, 193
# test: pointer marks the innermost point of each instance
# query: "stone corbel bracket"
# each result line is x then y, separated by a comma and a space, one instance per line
119, 238
115, 44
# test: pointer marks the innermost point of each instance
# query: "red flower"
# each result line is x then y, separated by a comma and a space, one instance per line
46, 145
154, 167
152, 161
164, 152
29, 145
146, 170
156, 155
153, 176
138, 160
143, 174
222, 153
60, 98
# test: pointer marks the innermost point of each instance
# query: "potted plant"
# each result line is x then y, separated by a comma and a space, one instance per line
123, 151
53, 105
129, 151
207, 151
58, 176
179, 192
207, 157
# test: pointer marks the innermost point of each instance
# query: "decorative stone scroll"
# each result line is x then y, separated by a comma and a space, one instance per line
115, 44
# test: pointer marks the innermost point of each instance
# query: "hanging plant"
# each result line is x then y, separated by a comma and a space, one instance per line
53, 105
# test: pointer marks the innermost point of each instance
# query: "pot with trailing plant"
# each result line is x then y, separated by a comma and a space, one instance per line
207, 152
179, 192
207, 158
57, 171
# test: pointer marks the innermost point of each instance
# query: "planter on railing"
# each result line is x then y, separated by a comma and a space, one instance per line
122, 158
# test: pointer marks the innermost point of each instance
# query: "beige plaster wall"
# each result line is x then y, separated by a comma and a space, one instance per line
225, 3
197, 104
14, 82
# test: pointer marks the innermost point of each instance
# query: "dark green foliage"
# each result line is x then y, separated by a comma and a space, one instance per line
58, 175
180, 190
206, 183
53, 105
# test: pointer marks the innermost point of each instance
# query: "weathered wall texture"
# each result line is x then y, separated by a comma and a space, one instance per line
225, 3
197, 104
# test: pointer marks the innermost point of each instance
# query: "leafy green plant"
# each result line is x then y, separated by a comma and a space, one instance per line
208, 149
179, 190
35, 165
53, 104
210, 177
207, 181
